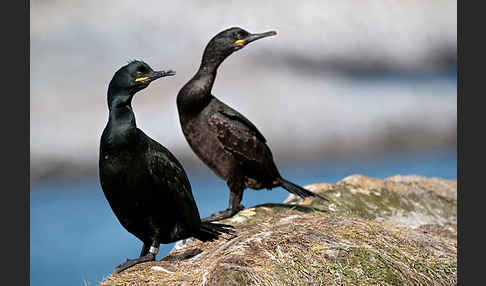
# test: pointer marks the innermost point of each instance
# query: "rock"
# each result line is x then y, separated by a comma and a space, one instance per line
397, 231
404, 200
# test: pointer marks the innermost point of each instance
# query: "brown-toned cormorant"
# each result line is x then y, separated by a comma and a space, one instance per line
223, 138
144, 183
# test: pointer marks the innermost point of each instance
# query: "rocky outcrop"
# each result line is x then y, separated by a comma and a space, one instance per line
397, 231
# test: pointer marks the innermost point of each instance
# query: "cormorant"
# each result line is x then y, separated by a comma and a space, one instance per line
145, 185
221, 137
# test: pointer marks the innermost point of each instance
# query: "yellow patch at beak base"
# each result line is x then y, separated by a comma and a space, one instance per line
141, 79
239, 42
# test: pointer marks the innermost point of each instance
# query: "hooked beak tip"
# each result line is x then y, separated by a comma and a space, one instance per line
170, 73
159, 74
259, 36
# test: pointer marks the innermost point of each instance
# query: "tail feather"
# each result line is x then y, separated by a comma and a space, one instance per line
298, 190
211, 231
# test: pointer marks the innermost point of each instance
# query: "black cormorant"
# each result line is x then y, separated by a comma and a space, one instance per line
223, 138
144, 183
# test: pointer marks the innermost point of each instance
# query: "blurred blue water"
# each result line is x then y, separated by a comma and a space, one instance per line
75, 239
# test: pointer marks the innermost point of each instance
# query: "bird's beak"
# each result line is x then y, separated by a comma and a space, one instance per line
254, 37
153, 75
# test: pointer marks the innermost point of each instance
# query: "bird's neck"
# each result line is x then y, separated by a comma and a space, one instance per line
121, 114
206, 75
196, 94
210, 62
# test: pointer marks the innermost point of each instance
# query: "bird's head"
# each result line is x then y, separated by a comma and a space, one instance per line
228, 41
135, 76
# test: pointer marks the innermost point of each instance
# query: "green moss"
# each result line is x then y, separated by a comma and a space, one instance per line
381, 203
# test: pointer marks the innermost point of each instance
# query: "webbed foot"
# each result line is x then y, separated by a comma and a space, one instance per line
131, 262
223, 214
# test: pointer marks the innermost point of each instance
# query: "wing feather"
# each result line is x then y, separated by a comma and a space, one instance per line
169, 176
240, 137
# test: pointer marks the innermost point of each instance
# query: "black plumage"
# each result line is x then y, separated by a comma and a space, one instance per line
223, 138
145, 185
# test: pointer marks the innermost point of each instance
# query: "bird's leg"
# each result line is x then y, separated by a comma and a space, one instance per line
147, 254
235, 199
145, 249
236, 186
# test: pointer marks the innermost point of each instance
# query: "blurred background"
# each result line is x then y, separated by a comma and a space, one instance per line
345, 87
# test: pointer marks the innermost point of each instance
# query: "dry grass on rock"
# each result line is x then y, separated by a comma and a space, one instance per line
309, 244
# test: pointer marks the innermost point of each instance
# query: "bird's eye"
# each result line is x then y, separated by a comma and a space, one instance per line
239, 35
138, 73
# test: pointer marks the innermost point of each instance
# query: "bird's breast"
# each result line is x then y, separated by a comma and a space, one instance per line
204, 141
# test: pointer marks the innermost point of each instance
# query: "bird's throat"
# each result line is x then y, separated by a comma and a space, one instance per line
196, 94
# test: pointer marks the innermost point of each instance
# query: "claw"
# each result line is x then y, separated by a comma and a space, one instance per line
131, 262
223, 214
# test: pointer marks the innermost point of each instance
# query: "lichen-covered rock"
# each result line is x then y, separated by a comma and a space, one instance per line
397, 231
402, 200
